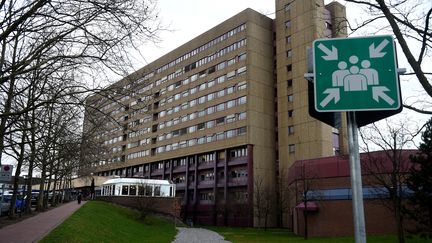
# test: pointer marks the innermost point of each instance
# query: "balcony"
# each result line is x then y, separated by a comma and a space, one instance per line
241, 181
205, 184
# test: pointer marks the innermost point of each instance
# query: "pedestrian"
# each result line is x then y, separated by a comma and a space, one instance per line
79, 198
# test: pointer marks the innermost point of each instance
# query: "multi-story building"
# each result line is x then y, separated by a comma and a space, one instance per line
221, 115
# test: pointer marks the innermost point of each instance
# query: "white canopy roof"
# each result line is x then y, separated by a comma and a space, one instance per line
136, 181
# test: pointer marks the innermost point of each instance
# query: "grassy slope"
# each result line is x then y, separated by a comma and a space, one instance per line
102, 222
250, 235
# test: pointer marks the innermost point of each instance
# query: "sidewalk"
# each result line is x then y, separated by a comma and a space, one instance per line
35, 228
198, 235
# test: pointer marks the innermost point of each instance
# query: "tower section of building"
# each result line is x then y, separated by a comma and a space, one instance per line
297, 24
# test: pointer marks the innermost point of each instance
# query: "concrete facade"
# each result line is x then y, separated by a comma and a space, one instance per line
218, 115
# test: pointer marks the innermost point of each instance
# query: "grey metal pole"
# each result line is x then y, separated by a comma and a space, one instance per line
356, 179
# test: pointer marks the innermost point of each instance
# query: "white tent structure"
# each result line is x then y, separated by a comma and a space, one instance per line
138, 187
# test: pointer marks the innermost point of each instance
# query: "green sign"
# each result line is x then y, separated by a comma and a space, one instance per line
356, 74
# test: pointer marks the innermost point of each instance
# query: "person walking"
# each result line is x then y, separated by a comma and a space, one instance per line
79, 197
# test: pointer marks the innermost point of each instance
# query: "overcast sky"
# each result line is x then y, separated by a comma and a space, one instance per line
189, 18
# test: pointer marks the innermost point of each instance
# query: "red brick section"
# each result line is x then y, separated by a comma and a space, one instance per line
335, 217
164, 205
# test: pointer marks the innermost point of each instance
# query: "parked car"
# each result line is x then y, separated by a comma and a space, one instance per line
33, 200
5, 205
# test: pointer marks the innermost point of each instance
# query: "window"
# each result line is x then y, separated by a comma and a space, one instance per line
210, 96
287, 8
287, 24
289, 68
242, 57
221, 79
211, 70
241, 70
210, 138
133, 190
241, 85
184, 106
201, 113
290, 129
220, 121
288, 39
210, 110
191, 129
201, 140
201, 126
202, 87
157, 191
242, 100
194, 77
192, 116
192, 103
291, 148
230, 75
230, 90
290, 113
289, 82
210, 124
242, 116
230, 133
175, 133
220, 66
230, 104
210, 83
290, 98
241, 131
125, 190
220, 107
231, 61
220, 136
201, 100
191, 142
289, 53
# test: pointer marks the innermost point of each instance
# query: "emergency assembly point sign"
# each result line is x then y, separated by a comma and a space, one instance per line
356, 74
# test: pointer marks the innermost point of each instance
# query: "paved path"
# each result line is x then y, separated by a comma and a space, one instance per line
198, 235
35, 228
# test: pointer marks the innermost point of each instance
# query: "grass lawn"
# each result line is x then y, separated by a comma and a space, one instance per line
251, 235
103, 222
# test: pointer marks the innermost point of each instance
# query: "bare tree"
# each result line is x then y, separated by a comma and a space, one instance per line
283, 197
388, 179
264, 201
410, 22
62, 45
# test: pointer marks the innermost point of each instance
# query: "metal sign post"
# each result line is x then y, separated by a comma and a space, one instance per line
357, 74
356, 179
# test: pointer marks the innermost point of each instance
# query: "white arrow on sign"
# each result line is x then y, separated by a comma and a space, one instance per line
332, 94
331, 54
376, 52
378, 92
